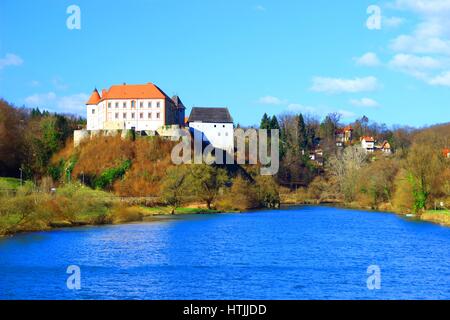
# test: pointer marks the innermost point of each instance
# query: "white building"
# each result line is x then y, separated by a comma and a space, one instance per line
368, 144
142, 107
215, 126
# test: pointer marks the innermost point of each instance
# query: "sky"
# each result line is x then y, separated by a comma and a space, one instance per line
388, 60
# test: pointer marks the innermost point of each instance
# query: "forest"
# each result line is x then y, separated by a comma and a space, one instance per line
46, 181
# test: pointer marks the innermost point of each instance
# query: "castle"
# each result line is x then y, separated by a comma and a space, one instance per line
140, 107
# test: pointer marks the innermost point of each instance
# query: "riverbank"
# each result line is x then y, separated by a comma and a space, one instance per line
441, 217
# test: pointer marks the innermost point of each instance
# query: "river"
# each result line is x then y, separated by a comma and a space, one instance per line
307, 252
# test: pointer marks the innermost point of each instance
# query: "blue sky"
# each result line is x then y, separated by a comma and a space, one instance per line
252, 56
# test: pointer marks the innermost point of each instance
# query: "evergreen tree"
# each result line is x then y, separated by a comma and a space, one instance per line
301, 131
274, 123
265, 122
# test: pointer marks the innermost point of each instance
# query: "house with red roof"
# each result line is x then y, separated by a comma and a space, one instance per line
385, 147
139, 107
343, 136
368, 143
446, 153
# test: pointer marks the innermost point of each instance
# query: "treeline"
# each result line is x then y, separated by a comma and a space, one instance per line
29, 138
415, 177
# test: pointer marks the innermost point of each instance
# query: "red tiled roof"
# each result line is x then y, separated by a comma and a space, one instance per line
129, 91
368, 139
95, 97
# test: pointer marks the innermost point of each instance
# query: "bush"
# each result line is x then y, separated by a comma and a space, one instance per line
107, 178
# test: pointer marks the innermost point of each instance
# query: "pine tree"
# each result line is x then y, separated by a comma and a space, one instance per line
274, 123
265, 122
302, 137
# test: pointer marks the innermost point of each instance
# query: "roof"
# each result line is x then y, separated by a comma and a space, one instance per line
214, 115
385, 145
178, 103
348, 128
95, 97
368, 139
446, 152
129, 91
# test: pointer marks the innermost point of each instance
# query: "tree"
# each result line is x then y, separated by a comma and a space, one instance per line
425, 166
174, 186
265, 122
301, 132
206, 181
274, 123
345, 167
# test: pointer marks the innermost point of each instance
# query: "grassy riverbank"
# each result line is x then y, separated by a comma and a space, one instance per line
441, 217
25, 208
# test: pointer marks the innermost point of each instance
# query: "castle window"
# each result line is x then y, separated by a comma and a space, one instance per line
124, 115
149, 115
124, 104
117, 104
141, 115
93, 111
158, 104
117, 115
141, 104
133, 104
150, 104
157, 115
109, 105
132, 115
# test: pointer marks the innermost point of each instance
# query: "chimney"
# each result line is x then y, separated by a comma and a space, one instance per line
103, 93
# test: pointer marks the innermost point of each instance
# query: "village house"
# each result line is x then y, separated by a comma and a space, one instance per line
385, 147
343, 136
446, 153
215, 126
368, 144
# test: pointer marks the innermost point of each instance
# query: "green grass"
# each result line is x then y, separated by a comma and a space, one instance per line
444, 212
438, 216
9, 183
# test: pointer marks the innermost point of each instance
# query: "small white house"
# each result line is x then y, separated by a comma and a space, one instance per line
215, 125
368, 144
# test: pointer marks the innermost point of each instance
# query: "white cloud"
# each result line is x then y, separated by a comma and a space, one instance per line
74, 104
59, 84
10, 59
260, 8
338, 85
418, 66
368, 59
441, 80
35, 83
297, 107
364, 102
428, 7
421, 44
271, 100
346, 114
431, 34
392, 22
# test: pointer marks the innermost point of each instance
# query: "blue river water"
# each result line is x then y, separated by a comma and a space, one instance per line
294, 253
